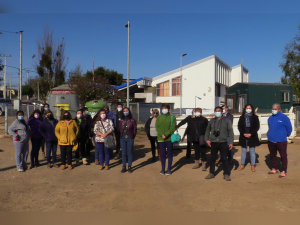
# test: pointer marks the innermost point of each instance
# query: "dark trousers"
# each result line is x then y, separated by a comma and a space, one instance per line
118, 142
51, 147
154, 145
43, 145
66, 153
36, 144
82, 147
199, 149
215, 148
188, 149
103, 153
166, 149
281, 147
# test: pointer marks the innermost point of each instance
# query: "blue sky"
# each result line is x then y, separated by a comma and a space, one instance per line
157, 40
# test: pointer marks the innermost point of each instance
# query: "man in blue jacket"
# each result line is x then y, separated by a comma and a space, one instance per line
280, 128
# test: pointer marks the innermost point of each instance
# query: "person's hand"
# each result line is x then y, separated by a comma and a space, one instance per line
104, 135
18, 138
90, 138
163, 136
230, 146
208, 143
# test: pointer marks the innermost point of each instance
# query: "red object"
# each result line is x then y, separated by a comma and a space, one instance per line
16, 138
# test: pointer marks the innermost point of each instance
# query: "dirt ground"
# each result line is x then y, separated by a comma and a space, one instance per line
87, 189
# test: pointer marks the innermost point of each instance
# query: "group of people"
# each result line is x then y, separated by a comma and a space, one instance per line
120, 128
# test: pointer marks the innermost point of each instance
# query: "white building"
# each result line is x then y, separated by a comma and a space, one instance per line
204, 83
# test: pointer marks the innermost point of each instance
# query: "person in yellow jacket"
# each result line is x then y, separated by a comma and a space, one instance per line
66, 132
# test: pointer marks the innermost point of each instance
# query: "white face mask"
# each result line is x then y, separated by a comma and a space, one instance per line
79, 116
197, 114
119, 109
248, 110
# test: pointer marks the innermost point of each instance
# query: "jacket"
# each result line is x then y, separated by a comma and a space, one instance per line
67, 135
116, 121
34, 125
224, 126
280, 128
254, 127
163, 127
84, 128
147, 127
196, 127
21, 129
229, 116
48, 131
108, 125
132, 127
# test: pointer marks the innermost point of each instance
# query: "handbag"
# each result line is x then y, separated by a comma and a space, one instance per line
109, 141
175, 137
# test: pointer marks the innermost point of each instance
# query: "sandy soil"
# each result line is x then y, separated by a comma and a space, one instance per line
87, 189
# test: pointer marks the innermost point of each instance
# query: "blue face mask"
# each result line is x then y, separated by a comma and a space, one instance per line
165, 111
274, 112
20, 117
224, 111
194, 114
126, 113
87, 112
46, 109
218, 114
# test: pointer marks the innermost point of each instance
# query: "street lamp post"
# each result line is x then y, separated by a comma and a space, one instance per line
181, 83
128, 26
196, 99
20, 94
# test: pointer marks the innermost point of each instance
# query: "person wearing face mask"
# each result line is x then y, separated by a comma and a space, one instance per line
248, 126
189, 144
88, 141
217, 132
128, 129
48, 132
152, 133
110, 116
83, 135
66, 132
34, 122
195, 132
117, 118
164, 132
21, 134
103, 127
280, 128
45, 108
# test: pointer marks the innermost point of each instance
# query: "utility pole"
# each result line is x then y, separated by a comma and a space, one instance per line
128, 26
27, 75
20, 80
93, 69
4, 79
10, 88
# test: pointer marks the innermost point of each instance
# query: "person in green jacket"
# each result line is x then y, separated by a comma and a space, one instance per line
164, 132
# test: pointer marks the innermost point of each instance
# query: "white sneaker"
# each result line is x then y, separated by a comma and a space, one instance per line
20, 170
84, 161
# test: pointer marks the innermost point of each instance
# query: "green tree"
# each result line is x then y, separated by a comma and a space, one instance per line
113, 77
75, 73
52, 62
291, 64
27, 90
1, 65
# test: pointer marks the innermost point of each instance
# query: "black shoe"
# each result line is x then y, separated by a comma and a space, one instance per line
153, 159
229, 161
123, 169
129, 169
188, 156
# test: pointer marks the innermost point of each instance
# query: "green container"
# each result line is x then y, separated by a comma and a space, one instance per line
94, 106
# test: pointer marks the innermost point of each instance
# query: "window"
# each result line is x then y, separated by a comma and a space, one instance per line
162, 89
176, 83
218, 90
285, 96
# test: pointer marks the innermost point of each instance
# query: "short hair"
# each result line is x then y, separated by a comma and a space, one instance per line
218, 107
198, 109
84, 109
120, 105
166, 105
155, 111
20, 111
46, 104
277, 105
48, 111
226, 106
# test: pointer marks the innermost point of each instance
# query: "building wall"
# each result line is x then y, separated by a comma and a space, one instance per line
237, 77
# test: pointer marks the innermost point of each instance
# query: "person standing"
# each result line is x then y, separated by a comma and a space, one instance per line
280, 128
128, 130
216, 135
117, 118
82, 138
110, 116
21, 134
248, 126
48, 132
195, 132
93, 123
189, 144
45, 108
88, 142
103, 127
152, 133
164, 132
66, 132
34, 122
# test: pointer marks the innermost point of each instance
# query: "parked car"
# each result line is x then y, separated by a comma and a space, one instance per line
3, 103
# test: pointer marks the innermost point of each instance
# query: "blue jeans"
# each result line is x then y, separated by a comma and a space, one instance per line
127, 146
166, 148
36, 145
228, 151
51, 147
22, 149
252, 154
103, 151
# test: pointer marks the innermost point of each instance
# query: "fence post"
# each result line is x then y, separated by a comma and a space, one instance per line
6, 120
27, 110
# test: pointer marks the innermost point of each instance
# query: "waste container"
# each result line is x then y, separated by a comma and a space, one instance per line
94, 106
